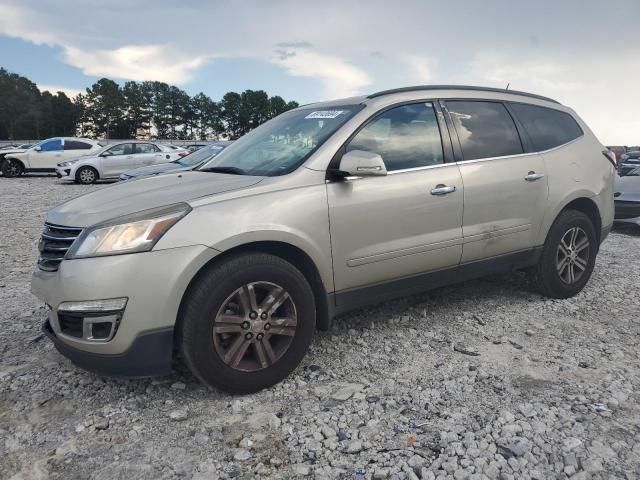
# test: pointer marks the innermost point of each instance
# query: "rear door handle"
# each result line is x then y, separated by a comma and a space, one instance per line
443, 189
533, 176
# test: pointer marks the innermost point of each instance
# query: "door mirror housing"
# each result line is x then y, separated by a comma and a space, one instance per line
358, 163
37, 148
106, 154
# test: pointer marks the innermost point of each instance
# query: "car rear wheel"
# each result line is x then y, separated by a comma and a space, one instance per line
247, 323
12, 168
568, 256
86, 175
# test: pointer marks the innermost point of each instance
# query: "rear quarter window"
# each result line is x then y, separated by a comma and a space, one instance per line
546, 127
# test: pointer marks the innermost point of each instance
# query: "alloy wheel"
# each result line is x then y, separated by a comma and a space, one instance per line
13, 169
87, 176
572, 256
255, 326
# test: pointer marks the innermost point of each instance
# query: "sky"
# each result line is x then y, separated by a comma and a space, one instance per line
585, 54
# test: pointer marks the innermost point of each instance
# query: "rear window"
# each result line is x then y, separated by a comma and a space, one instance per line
485, 129
546, 127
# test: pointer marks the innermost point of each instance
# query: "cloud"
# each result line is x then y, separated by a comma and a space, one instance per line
339, 78
136, 62
420, 68
294, 45
54, 89
575, 82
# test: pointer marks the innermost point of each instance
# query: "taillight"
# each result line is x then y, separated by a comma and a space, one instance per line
611, 157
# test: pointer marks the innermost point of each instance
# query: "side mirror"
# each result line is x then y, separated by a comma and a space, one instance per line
37, 148
106, 154
358, 163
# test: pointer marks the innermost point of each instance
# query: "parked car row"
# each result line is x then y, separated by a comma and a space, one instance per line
85, 161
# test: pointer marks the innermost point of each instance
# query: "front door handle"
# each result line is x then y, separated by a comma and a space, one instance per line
533, 176
443, 189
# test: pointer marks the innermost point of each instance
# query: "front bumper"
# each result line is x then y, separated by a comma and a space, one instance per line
63, 172
149, 355
154, 283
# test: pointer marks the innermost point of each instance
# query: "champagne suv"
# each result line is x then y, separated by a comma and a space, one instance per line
323, 209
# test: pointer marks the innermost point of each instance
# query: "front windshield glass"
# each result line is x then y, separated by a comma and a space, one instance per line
280, 145
199, 156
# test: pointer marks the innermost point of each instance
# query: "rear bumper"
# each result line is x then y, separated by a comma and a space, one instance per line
149, 355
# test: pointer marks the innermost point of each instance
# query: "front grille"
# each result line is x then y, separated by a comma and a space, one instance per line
53, 246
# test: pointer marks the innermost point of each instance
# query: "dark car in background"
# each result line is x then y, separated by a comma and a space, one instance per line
195, 146
632, 157
188, 162
627, 195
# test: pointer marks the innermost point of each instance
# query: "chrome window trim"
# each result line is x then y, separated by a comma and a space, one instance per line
416, 169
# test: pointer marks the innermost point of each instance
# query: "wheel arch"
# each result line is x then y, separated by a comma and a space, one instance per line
294, 255
583, 204
14, 159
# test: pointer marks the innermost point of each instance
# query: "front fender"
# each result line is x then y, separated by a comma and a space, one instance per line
298, 216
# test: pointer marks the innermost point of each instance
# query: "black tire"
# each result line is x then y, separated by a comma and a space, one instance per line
86, 175
549, 277
211, 291
12, 168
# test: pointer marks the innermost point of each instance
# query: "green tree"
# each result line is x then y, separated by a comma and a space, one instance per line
231, 105
137, 102
19, 106
105, 107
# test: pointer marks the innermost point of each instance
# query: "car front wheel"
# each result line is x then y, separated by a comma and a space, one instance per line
568, 256
12, 168
247, 323
86, 175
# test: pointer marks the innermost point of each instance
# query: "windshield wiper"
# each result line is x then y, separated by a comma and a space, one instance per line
229, 170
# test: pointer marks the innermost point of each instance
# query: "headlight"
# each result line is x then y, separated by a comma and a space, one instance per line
138, 232
67, 164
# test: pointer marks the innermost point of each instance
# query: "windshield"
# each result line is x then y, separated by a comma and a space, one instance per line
200, 156
280, 145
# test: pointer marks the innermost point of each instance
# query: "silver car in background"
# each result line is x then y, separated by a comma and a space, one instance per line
627, 194
188, 162
323, 209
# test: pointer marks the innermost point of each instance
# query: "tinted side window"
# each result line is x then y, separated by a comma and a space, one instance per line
485, 129
122, 149
146, 148
75, 145
405, 137
547, 128
51, 146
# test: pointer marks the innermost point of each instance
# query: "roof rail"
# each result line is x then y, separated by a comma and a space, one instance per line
459, 87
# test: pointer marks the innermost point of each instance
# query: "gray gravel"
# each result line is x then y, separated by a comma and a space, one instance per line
481, 380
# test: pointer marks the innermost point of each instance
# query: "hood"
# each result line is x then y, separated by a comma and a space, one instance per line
12, 150
156, 169
130, 197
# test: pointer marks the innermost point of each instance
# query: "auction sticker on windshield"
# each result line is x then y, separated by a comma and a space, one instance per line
325, 114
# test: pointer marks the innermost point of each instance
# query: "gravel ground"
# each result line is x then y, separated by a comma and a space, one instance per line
481, 380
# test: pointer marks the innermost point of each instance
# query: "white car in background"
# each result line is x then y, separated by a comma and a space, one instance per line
45, 155
114, 159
